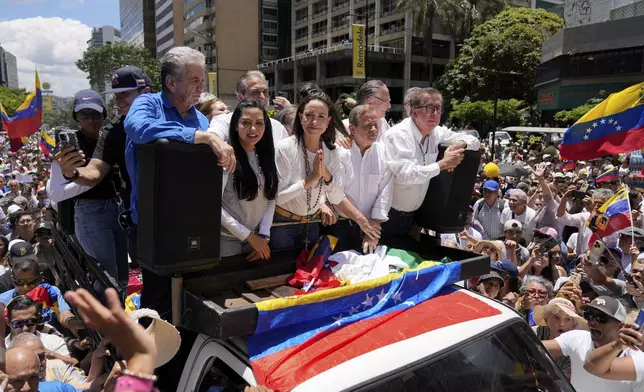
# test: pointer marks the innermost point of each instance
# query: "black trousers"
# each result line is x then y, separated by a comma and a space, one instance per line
399, 224
348, 233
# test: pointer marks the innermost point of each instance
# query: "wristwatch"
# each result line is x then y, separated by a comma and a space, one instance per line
264, 236
72, 178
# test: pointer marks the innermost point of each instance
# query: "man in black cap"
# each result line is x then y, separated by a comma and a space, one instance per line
127, 84
96, 207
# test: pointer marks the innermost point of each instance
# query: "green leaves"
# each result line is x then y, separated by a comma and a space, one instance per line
509, 112
12, 98
508, 43
100, 63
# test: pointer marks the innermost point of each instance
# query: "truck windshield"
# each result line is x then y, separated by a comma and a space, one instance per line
508, 359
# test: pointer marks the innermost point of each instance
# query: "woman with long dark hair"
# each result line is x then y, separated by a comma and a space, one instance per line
311, 170
248, 201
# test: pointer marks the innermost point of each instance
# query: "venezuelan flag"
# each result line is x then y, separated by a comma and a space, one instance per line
568, 165
611, 175
46, 143
614, 126
28, 117
5, 118
613, 216
297, 338
16, 144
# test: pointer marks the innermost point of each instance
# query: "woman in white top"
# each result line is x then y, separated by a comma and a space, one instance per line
311, 171
248, 200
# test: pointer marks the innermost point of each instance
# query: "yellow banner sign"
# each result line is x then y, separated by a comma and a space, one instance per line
47, 103
212, 83
359, 50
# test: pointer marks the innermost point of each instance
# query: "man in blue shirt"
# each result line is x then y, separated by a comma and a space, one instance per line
171, 115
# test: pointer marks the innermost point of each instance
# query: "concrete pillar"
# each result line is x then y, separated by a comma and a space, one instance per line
276, 79
376, 40
318, 69
409, 26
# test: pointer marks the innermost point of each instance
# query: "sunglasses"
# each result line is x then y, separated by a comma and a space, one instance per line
600, 318
541, 293
25, 323
25, 282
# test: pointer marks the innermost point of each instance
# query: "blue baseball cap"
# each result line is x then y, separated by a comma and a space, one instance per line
505, 267
491, 185
88, 99
129, 78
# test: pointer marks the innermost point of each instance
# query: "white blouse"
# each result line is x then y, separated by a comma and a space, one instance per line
242, 217
292, 174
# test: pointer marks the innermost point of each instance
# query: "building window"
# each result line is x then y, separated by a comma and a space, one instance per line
268, 12
269, 39
194, 11
269, 52
302, 33
319, 28
300, 49
340, 21
319, 8
388, 7
268, 25
163, 13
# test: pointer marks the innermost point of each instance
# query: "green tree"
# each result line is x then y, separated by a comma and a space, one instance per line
569, 117
480, 113
501, 56
60, 118
12, 98
100, 63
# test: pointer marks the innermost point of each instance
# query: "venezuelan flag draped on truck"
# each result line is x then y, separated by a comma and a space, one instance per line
299, 337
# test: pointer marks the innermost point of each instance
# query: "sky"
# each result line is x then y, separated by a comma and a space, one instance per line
50, 35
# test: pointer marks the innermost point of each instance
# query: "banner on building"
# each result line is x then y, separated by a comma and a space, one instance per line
212, 83
47, 103
359, 50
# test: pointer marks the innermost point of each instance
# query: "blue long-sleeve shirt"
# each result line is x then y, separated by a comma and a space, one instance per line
153, 117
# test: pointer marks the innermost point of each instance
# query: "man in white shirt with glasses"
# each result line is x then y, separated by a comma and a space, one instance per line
411, 149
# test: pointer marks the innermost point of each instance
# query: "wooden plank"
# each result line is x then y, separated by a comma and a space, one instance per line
267, 282
235, 303
282, 291
258, 296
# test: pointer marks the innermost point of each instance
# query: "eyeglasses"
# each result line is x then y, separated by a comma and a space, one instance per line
32, 322
382, 100
541, 293
600, 318
93, 115
25, 282
431, 109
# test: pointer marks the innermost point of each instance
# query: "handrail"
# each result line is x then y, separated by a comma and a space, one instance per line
324, 50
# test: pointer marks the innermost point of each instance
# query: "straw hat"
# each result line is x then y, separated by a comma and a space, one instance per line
540, 311
498, 245
166, 337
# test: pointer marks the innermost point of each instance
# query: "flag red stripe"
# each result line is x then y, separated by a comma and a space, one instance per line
284, 370
616, 143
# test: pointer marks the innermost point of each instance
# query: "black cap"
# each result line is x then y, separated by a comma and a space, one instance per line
129, 78
22, 250
88, 99
44, 226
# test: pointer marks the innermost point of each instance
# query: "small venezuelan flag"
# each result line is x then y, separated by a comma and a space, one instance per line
28, 117
611, 175
46, 143
614, 126
613, 216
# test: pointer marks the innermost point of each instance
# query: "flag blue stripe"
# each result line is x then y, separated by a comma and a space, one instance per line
618, 207
283, 328
595, 129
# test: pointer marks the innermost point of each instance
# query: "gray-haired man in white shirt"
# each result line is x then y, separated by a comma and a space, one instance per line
368, 181
411, 150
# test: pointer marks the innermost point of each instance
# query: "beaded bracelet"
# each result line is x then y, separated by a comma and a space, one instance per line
134, 384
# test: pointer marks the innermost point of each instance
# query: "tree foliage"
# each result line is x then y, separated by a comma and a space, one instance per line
569, 117
12, 98
100, 63
501, 56
480, 113
60, 118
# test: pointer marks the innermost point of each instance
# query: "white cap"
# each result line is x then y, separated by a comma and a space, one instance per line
13, 209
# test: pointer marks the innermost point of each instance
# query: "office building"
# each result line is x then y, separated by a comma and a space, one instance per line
169, 23
579, 63
138, 23
8, 69
322, 51
104, 36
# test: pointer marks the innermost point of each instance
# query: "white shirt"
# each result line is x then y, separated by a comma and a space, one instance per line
368, 181
242, 217
578, 220
292, 173
51, 342
59, 189
221, 126
383, 126
405, 159
577, 345
527, 220
572, 241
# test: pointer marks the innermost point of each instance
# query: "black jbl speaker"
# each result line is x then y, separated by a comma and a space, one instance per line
449, 195
179, 207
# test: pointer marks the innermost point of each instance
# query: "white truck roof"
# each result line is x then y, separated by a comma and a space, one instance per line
395, 356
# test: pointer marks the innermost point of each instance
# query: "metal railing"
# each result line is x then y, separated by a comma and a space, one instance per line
330, 49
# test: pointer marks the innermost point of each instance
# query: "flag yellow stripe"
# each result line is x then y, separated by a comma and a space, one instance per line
338, 292
31, 96
616, 103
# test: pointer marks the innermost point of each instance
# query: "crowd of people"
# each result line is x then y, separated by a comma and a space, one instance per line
316, 167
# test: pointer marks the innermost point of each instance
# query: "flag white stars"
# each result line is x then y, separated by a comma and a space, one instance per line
588, 130
397, 297
619, 127
594, 125
610, 120
586, 137
382, 296
368, 301
603, 121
